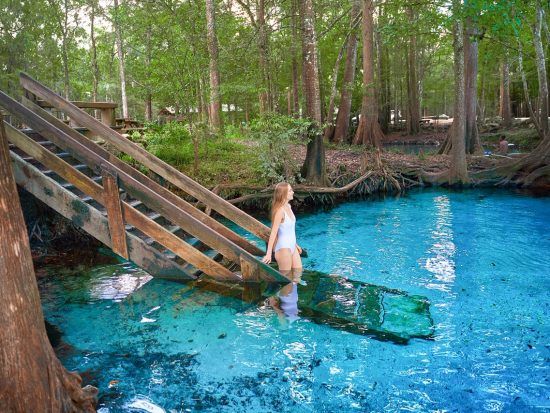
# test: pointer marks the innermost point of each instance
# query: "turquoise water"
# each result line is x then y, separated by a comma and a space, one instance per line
480, 257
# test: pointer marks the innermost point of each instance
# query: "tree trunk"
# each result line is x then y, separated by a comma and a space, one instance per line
121, 65
313, 169
148, 93
473, 143
384, 112
295, 79
413, 106
532, 115
93, 50
458, 172
505, 110
32, 378
215, 100
329, 129
368, 130
266, 97
342, 118
541, 70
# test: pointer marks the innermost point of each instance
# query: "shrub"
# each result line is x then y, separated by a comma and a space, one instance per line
275, 135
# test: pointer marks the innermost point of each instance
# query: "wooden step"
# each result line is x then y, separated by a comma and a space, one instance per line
173, 229
68, 185
79, 167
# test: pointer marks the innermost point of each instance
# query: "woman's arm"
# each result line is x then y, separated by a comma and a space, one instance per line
274, 229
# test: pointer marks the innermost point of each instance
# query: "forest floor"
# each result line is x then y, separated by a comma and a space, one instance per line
354, 159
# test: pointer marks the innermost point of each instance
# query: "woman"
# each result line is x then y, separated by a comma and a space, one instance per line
283, 234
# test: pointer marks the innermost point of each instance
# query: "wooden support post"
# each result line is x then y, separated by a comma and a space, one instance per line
114, 214
107, 116
249, 270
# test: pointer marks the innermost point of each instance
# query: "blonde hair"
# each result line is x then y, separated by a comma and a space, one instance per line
279, 197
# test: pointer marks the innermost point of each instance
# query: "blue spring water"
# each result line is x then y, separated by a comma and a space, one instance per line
480, 257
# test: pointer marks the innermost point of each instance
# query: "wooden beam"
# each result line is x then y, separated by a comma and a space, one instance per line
111, 198
133, 217
91, 220
84, 105
168, 172
164, 192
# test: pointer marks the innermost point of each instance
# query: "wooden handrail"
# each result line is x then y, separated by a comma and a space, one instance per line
164, 192
83, 105
132, 216
166, 171
138, 190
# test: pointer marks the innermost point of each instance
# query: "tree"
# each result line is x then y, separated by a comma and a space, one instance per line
413, 106
471, 38
33, 379
120, 53
458, 172
344, 110
368, 130
541, 69
505, 109
215, 100
294, 53
313, 169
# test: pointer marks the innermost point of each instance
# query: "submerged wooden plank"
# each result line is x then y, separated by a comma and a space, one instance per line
164, 192
111, 198
168, 172
91, 220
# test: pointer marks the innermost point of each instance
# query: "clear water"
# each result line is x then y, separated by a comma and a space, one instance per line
482, 259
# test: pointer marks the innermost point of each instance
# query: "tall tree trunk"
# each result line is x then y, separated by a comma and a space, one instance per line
413, 106
384, 112
121, 65
93, 50
541, 70
65, 46
471, 38
368, 130
505, 110
215, 100
458, 172
32, 378
313, 169
329, 129
534, 118
294, 52
344, 110
148, 93
266, 98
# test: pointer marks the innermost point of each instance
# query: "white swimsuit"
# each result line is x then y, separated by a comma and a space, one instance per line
286, 235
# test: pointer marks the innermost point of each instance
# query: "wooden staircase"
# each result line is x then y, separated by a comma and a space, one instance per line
134, 215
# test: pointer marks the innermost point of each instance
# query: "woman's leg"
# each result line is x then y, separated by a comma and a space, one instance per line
296, 266
284, 260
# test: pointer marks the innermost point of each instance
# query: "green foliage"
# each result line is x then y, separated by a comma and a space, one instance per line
220, 158
275, 135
